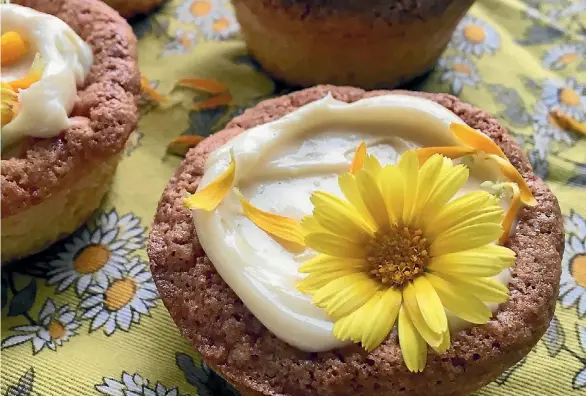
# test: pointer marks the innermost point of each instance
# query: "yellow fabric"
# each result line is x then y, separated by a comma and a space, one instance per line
516, 59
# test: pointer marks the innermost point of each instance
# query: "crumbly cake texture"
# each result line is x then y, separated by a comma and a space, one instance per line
241, 349
307, 42
106, 109
130, 8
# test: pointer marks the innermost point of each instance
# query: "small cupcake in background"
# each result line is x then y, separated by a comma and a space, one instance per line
368, 43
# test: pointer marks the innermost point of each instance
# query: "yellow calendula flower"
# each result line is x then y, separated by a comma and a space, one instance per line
399, 250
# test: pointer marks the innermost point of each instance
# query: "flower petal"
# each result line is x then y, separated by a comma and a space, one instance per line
373, 198
465, 238
475, 139
473, 262
309, 224
349, 187
452, 152
413, 310
451, 180
413, 347
462, 304
381, 319
325, 263
485, 289
513, 174
351, 327
511, 214
13, 47
409, 166
209, 197
430, 305
428, 176
392, 187
32, 76
358, 159
445, 343
339, 217
372, 166
315, 281
343, 296
334, 245
273, 224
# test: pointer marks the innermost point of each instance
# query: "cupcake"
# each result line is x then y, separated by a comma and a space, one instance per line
369, 43
130, 8
336, 241
69, 89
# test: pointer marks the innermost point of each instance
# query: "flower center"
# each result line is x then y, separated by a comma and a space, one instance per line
220, 24
461, 68
119, 294
56, 330
398, 255
474, 33
578, 266
568, 58
569, 97
91, 259
200, 8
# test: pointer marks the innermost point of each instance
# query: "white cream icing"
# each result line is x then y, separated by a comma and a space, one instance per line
44, 107
278, 166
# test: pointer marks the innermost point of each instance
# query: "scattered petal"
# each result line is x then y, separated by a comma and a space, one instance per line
203, 84
513, 174
222, 99
475, 139
511, 214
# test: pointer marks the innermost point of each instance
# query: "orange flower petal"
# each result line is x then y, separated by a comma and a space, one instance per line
358, 159
568, 123
13, 47
514, 208
181, 144
203, 84
276, 225
32, 76
222, 99
452, 152
209, 197
513, 175
475, 139
150, 91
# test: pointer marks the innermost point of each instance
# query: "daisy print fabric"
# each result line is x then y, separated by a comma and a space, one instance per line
84, 316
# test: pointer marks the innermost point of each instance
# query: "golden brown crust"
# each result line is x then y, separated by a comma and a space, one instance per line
106, 105
233, 341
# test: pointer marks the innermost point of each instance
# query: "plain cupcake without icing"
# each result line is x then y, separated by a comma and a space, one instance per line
236, 344
51, 185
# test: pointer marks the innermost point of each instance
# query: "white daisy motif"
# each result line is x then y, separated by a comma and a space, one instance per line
122, 301
134, 385
560, 56
90, 256
569, 96
182, 42
52, 328
573, 281
474, 36
458, 71
579, 381
215, 18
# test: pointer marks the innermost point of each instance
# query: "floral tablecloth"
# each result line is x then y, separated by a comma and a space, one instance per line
84, 318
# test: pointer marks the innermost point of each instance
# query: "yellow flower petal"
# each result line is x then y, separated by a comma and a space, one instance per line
381, 319
475, 139
474, 262
428, 177
325, 263
430, 305
9, 103
465, 238
350, 327
372, 166
309, 224
453, 152
276, 225
462, 304
409, 166
444, 344
373, 198
511, 214
513, 174
358, 159
349, 187
413, 347
412, 306
209, 197
485, 289
450, 182
315, 281
339, 217
13, 47
392, 188
343, 296
334, 245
